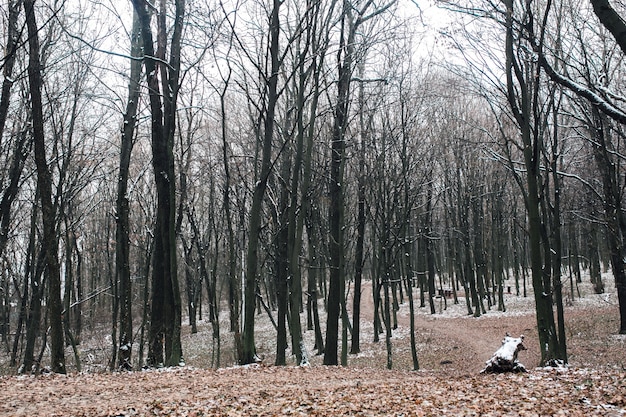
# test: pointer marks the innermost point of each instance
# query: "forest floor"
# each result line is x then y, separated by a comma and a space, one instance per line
452, 349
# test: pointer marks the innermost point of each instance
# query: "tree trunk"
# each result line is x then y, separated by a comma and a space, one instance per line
360, 228
20, 152
336, 213
387, 316
616, 224
611, 20
314, 267
479, 255
145, 311
44, 183
557, 245
28, 272
34, 270
165, 321
522, 92
12, 43
254, 225
282, 262
430, 254
122, 248
234, 285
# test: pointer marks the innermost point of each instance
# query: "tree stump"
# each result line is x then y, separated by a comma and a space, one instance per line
505, 358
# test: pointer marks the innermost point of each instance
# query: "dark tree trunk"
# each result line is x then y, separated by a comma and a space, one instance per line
312, 286
33, 272
234, 285
611, 20
12, 42
145, 311
616, 223
557, 245
387, 320
360, 226
215, 322
281, 267
336, 214
28, 272
430, 253
480, 262
165, 323
345, 59
21, 149
300, 177
254, 225
44, 183
522, 94
77, 308
122, 248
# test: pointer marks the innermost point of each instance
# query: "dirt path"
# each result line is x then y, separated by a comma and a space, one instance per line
452, 340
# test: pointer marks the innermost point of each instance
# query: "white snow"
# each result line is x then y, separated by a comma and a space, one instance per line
509, 348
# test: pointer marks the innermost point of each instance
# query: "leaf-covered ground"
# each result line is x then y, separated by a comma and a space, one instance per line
316, 391
452, 349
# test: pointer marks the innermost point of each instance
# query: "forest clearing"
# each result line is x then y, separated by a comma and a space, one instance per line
453, 348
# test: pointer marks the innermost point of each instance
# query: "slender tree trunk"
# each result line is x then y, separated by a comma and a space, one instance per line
312, 285
165, 322
28, 272
78, 302
616, 223
300, 183
145, 311
34, 270
376, 287
122, 248
360, 228
409, 277
234, 284
215, 321
336, 218
254, 225
387, 320
12, 42
430, 255
465, 251
557, 283
282, 272
522, 94
479, 255
345, 60
497, 244
44, 183
21, 149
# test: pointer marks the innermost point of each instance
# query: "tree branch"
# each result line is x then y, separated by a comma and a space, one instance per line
583, 91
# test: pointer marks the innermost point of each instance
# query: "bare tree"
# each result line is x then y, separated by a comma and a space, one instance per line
254, 228
605, 105
122, 248
44, 183
353, 16
163, 84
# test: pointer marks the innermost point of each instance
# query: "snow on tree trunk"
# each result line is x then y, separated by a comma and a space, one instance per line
505, 358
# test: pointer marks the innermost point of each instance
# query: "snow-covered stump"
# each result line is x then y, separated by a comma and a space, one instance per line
505, 358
